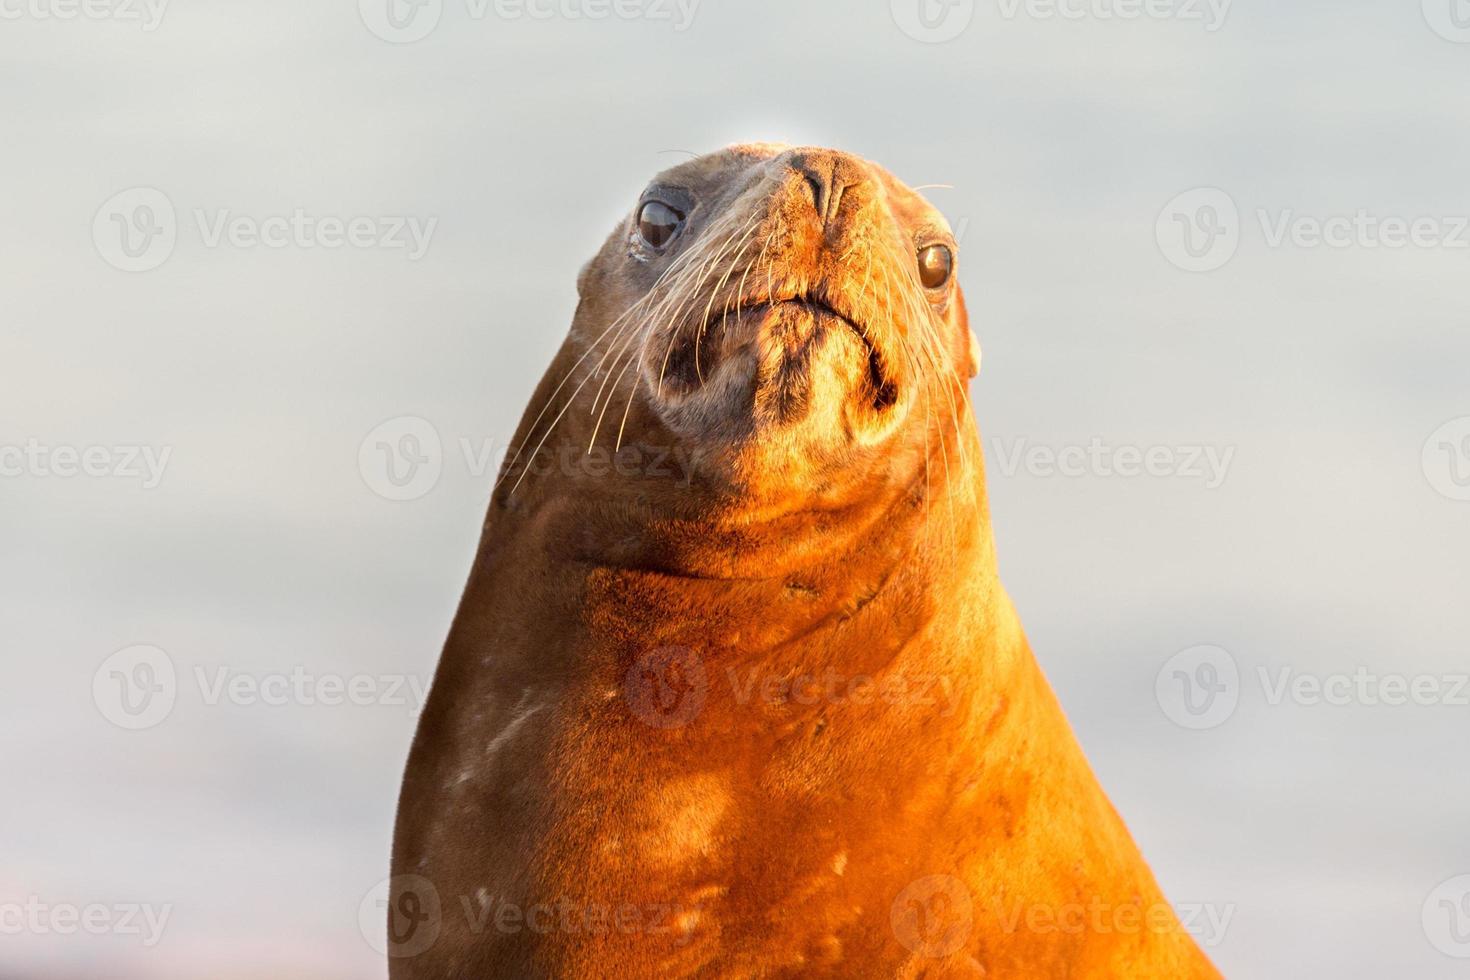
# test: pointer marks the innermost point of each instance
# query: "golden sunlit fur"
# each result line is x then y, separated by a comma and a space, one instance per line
734, 689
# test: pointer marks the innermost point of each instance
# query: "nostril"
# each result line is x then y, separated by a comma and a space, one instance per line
819, 188
828, 176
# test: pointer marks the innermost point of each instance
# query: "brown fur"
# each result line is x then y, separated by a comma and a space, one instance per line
764, 710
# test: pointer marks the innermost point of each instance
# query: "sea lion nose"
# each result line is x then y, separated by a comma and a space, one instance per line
830, 175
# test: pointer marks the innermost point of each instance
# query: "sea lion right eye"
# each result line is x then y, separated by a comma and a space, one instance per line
658, 223
936, 263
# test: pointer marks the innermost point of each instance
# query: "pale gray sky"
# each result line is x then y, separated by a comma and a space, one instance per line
1326, 538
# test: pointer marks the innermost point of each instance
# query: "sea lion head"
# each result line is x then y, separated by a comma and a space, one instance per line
789, 317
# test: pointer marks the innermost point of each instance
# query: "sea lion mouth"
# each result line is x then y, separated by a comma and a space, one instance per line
883, 391
821, 311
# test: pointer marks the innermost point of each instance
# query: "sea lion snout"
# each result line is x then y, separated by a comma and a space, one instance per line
786, 316
804, 312
828, 175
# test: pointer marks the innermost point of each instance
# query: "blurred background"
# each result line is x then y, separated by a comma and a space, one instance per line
276, 280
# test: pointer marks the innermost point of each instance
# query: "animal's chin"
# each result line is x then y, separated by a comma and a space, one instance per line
780, 347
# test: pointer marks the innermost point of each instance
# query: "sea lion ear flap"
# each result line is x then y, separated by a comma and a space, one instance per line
974, 355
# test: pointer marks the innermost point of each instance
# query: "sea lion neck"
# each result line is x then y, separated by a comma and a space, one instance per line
686, 529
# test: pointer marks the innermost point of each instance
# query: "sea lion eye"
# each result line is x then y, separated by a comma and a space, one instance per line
936, 263
657, 223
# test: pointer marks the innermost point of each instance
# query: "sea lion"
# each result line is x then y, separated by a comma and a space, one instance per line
765, 712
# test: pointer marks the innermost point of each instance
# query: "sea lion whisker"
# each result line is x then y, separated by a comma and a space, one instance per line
694, 286
918, 379
674, 278
688, 293
634, 331
633, 388
949, 377
740, 252
623, 321
671, 283
551, 398
669, 274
